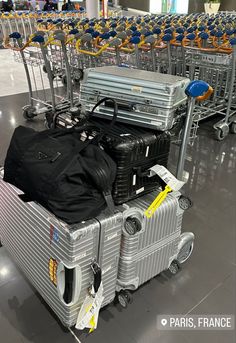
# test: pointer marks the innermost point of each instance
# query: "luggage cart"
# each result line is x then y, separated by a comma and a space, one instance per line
218, 68
190, 46
147, 252
34, 57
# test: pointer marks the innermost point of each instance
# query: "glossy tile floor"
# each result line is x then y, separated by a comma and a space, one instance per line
205, 285
12, 73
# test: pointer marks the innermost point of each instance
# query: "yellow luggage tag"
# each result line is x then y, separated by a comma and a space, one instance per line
172, 184
157, 202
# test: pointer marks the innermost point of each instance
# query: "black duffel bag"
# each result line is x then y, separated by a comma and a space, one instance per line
71, 178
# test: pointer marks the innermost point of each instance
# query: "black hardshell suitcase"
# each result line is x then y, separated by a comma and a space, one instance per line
134, 150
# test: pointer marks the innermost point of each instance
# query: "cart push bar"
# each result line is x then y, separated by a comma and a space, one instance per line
196, 91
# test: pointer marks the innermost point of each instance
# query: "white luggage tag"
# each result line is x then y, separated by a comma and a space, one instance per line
172, 184
88, 314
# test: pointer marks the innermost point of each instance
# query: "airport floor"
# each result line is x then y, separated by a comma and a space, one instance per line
205, 284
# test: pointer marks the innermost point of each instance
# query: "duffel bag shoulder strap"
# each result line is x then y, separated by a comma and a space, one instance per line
102, 173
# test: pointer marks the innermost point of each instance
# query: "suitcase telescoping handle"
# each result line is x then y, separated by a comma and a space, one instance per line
196, 91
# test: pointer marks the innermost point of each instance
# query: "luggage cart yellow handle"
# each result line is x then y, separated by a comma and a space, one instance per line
93, 53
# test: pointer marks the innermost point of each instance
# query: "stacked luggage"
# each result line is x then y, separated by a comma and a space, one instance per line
120, 249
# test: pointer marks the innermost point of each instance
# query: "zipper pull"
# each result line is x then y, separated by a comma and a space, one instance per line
58, 154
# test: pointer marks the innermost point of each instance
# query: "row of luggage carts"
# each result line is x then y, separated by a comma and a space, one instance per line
26, 22
195, 46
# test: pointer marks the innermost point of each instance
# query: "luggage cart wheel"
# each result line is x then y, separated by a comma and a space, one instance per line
220, 134
78, 75
28, 112
174, 267
233, 127
124, 298
185, 203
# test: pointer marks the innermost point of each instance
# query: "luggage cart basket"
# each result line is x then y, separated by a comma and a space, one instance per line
33, 55
217, 67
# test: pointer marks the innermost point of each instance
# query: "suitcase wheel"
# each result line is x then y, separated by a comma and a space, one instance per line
132, 225
174, 267
185, 203
185, 247
124, 298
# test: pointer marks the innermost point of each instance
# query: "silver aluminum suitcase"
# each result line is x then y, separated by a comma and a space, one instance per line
150, 245
144, 98
45, 249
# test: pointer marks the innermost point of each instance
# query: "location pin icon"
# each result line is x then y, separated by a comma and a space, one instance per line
164, 322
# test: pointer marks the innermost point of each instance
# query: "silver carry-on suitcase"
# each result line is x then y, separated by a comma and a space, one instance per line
151, 245
57, 258
144, 98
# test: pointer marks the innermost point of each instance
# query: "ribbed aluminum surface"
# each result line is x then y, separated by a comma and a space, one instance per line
151, 262
166, 91
26, 231
153, 97
165, 222
109, 252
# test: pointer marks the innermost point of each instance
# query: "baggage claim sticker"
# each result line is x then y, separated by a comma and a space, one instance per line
52, 269
54, 234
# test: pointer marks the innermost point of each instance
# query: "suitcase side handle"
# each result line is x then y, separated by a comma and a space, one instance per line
141, 173
147, 173
69, 281
121, 105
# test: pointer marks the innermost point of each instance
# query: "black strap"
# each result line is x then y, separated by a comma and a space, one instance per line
115, 112
97, 272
